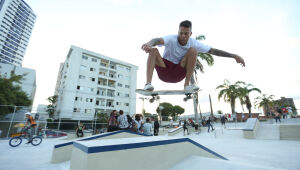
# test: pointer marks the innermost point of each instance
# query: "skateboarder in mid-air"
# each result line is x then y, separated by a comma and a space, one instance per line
179, 58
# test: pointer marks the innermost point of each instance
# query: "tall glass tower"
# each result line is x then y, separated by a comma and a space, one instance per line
16, 24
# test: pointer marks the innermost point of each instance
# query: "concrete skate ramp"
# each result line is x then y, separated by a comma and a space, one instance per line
62, 152
175, 131
290, 132
147, 153
197, 162
251, 128
268, 132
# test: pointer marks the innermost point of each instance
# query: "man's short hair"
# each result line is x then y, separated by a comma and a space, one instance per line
186, 23
121, 112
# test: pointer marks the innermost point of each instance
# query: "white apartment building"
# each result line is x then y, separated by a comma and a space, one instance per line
28, 84
89, 83
16, 23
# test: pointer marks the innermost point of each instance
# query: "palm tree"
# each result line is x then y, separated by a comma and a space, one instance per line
244, 92
264, 102
230, 93
200, 68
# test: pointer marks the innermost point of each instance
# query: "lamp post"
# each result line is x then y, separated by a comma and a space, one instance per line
143, 98
160, 109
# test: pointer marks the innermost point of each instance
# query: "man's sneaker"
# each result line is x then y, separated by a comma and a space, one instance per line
149, 87
191, 87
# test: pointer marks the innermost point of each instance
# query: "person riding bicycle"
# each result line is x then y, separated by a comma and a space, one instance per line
32, 126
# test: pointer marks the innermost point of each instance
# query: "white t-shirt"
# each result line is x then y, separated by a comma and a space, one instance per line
174, 52
123, 122
147, 128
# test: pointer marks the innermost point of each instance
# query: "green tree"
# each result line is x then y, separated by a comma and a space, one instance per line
102, 117
244, 92
220, 112
264, 101
229, 92
166, 112
12, 94
177, 110
52, 106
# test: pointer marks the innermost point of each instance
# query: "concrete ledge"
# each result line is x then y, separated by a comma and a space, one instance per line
136, 153
290, 132
175, 131
250, 129
62, 152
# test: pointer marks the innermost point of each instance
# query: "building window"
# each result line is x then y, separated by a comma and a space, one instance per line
76, 110
92, 79
118, 103
126, 104
78, 87
120, 76
85, 57
126, 95
118, 93
91, 89
127, 86
92, 69
81, 77
94, 60
120, 85
82, 67
87, 110
78, 98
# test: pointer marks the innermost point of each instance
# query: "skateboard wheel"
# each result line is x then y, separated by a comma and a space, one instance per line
151, 100
157, 97
185, 99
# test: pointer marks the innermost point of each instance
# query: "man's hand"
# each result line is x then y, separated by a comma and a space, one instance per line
155, 41
146, 47
239, 59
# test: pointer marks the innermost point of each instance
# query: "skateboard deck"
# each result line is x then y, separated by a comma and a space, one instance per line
165, 92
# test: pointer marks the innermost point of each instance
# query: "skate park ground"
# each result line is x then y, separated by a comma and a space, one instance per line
267, 151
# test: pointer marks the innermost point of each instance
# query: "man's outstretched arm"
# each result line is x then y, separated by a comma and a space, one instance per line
155, 41
221, 53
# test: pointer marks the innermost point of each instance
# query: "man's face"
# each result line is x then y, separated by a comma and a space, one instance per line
184, 35
27, 116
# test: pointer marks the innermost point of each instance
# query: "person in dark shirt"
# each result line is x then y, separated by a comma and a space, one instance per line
209, 125
156, 127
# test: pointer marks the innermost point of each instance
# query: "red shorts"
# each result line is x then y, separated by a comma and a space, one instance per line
173, 73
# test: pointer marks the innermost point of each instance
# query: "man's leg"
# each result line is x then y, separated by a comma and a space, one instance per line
154, 59
188, 62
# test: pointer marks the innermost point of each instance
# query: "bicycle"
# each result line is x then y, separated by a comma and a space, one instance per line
17, 140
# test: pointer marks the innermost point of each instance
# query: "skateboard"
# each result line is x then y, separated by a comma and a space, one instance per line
155, 94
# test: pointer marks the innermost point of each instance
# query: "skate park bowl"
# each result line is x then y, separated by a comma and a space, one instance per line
251, 128
62, 152
136, 153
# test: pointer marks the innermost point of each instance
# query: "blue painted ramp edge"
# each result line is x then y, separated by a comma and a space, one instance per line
99, 136
97, 149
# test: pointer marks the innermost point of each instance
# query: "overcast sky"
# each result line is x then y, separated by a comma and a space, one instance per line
265, 33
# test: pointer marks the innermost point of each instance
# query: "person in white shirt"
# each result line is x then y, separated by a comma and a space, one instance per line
147, 127
122, 121
179, 58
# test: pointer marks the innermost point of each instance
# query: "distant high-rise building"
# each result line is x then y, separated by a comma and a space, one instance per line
16, 24
89, 83
28, 83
